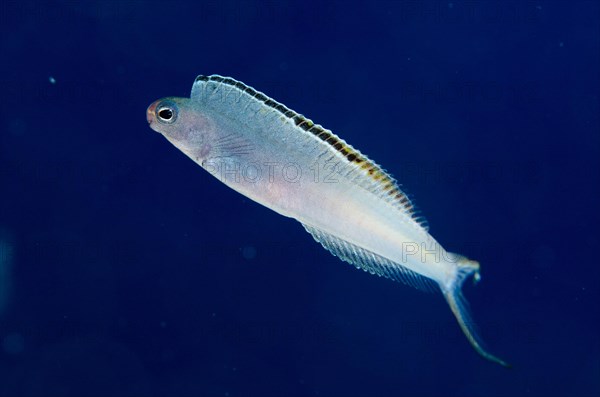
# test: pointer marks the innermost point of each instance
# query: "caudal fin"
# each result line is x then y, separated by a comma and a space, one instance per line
460, 307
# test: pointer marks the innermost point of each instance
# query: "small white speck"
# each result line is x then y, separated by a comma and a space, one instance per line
52, 80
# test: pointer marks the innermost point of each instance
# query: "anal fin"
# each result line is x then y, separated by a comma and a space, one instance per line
369, 261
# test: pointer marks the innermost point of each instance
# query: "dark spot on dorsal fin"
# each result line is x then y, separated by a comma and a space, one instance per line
281, 108
332, 140
324, 135
316, 130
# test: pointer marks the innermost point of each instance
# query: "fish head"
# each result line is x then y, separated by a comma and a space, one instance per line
183, 125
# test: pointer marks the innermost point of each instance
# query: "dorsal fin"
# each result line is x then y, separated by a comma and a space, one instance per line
369, 261
383, 185
365, 172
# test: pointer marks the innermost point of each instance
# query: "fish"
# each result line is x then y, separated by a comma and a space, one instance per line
348, 203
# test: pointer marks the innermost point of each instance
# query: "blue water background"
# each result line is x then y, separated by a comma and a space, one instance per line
126, 270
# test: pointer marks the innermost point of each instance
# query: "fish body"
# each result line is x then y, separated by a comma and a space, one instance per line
284, 161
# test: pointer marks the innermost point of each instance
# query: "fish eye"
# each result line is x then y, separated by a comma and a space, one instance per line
166, 113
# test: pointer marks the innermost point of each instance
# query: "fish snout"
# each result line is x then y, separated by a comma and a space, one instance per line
151, 111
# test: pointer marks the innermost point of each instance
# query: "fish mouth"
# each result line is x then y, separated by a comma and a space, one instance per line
150, 112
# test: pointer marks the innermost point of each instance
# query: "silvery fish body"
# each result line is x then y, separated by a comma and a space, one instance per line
284, 161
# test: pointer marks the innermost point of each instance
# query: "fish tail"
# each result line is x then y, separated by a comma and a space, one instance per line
460, 307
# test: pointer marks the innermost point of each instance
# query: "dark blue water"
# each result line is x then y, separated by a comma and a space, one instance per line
127, 270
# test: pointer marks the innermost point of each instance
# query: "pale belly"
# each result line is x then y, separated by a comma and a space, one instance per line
356, 216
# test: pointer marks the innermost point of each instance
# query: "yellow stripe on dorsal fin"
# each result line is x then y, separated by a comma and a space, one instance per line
377, 180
